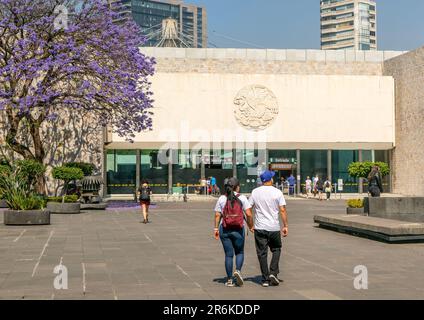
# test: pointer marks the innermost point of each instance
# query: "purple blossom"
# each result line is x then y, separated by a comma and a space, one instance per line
95, 64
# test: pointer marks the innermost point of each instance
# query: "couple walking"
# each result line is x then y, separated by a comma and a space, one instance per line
268, 203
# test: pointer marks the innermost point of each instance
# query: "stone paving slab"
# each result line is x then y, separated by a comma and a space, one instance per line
111, 255
385, 229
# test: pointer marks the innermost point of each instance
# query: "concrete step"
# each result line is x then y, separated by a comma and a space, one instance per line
391, 231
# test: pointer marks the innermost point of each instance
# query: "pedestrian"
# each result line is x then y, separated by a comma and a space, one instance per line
308, 187
327, 188
144, 193
269, 203
213, 185
319, 187
282, 183
229, 227
375, 186
315, 187
292, 183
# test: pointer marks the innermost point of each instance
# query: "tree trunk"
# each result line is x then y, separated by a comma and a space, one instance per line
39, 154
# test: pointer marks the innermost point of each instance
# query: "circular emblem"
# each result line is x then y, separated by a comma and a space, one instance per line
256, 107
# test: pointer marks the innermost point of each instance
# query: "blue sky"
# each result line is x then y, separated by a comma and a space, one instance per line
294, 24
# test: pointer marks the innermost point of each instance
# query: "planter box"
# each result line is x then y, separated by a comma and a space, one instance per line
64, 208
27, 217
357, 211
410, 209
3, 204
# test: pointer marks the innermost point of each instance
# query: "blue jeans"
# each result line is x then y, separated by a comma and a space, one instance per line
233, 243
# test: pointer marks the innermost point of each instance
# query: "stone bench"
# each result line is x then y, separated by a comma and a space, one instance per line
396, 208
376, 228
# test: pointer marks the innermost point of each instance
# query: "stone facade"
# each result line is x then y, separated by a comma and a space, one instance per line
269, 61
408, 154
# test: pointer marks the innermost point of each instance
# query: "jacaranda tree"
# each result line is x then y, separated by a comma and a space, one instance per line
58, 56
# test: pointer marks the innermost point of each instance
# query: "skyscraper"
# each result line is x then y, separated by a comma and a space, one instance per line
191, 20
348, 24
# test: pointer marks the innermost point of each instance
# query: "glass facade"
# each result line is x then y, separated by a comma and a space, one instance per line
121, 171
188, 168
153, 170
249, 164
340, 161
313, 162
148, 14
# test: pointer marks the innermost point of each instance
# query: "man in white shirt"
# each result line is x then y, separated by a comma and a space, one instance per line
269, 203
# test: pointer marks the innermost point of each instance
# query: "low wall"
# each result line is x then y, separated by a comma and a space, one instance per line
409, 209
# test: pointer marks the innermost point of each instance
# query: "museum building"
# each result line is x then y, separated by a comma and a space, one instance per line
237, 112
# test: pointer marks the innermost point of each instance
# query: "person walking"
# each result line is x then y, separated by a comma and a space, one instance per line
308, 187
229, 227
327, 188
315, 187
375, 186
319, 187
144, 193
269, 203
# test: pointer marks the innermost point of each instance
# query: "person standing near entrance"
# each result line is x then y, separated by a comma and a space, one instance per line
144, 193
308, 187
375, 187
328, 188
292, 183
229, 227
269, 203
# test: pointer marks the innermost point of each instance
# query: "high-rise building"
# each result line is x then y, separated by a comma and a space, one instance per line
191, 20
123, 7
348, 24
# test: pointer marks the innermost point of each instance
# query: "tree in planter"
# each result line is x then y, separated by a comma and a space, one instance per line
363, 169
67, 175
53, 64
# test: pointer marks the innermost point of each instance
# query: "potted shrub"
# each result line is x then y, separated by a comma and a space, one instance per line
17, 189
67, 204
355, 206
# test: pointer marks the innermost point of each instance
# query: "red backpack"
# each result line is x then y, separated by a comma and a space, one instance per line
233, 216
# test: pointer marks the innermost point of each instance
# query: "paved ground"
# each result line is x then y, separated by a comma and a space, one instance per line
110, 255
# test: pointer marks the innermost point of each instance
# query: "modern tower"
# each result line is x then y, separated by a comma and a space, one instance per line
348, 24
153, 15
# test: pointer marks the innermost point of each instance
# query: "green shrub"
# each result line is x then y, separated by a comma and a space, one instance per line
30, 170
87, 168
67, 175
4, 170
363, 169
17, 193
68, 199
355, 203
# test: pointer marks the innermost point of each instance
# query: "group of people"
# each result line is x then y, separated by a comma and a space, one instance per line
318, 187
233, 211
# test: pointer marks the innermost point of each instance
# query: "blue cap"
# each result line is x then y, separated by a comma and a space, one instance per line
267, 176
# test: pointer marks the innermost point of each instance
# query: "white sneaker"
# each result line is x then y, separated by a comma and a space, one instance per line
239, 278
274, 280
229, 283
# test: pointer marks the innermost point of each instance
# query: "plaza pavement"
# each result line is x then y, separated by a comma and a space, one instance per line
111, 255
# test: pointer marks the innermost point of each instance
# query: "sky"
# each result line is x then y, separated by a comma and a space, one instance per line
295, 24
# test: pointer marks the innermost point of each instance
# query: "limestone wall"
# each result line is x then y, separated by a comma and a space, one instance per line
269, 61
408, 155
